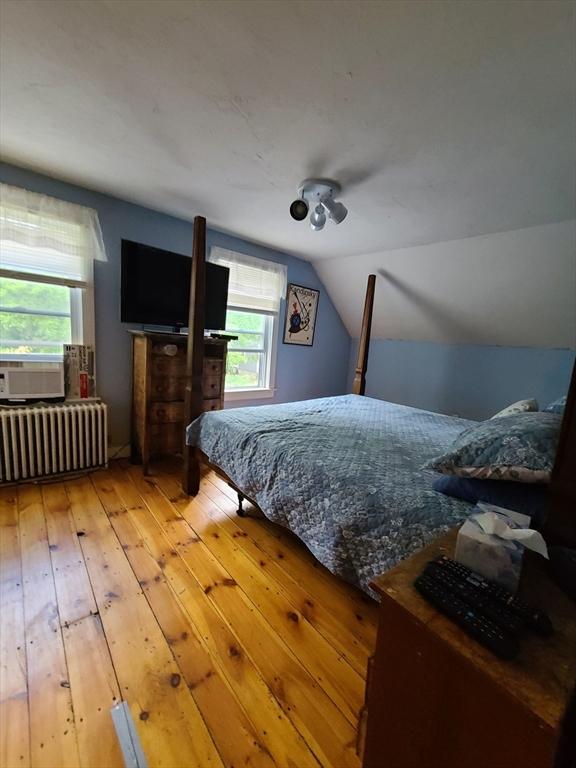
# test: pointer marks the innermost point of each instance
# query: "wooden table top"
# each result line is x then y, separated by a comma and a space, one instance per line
544, 673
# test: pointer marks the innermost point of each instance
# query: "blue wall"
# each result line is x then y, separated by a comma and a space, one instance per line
302, 372
472, 381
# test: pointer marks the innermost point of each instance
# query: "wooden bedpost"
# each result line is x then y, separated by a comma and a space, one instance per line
359, 384
195, 354
560, 525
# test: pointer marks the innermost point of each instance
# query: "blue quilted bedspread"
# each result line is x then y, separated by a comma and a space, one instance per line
343, 473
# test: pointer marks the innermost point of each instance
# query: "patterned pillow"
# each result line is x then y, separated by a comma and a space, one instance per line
520, 447
557, 406
522, 406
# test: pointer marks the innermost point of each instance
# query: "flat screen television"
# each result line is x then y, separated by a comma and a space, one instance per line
156, 288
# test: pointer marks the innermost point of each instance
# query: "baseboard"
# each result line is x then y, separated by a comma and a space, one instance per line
118, 452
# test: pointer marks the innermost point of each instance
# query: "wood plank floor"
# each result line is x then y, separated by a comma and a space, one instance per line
230, 643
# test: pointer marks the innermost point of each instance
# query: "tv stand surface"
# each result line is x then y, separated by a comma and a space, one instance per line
154, 331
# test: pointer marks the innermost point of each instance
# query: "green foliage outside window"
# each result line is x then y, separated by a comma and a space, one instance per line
243, 368
22, 333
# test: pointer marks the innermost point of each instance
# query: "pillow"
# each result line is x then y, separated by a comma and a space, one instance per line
528, 498
522, 406
520, 448
557, 406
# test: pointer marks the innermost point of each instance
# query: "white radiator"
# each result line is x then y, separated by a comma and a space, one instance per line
36, 441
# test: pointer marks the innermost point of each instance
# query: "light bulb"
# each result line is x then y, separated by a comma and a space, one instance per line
318, 218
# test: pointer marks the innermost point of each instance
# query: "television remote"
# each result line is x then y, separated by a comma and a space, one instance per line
483, 591
462, 587
489, 634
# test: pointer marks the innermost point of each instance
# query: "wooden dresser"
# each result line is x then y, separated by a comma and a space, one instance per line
437, 699
158, 383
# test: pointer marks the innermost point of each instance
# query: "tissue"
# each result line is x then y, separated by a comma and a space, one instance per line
492, 541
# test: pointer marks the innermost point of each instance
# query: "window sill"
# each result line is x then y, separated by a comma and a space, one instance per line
31, 357
233, 395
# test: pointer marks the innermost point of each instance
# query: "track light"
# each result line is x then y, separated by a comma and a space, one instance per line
318, 218
336, 211
318, 194
299, 210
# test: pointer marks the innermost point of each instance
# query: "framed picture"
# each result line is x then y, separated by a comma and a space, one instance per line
301, 308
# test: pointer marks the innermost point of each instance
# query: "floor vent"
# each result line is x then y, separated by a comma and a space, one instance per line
127, 734
38, 441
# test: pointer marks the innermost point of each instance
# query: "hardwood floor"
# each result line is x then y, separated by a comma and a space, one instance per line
229, 642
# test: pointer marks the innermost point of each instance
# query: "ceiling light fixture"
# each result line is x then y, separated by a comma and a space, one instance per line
336, 211
299, 210
320, 194
318, 218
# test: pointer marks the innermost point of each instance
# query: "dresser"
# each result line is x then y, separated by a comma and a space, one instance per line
158, 386
437, 699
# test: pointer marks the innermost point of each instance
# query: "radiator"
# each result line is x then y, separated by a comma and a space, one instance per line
37, 441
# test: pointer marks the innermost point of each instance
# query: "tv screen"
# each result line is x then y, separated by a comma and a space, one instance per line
156, 288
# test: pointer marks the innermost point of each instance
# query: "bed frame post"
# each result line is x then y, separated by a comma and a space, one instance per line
194, 355
359, 384
560, 525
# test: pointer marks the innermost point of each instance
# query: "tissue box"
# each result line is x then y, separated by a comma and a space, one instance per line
497, 559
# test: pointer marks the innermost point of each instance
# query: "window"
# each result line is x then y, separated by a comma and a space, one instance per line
248, 358
254, 292
46, 251
35, 319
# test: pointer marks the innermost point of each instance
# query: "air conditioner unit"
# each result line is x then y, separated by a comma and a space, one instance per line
37, 383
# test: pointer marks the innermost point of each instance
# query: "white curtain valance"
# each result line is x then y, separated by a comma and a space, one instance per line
254, 283
41, 235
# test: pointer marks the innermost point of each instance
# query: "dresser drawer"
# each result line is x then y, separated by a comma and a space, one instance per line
211, 404
166, 439
168, 388
168, 367
212, 367
169, 350
163, 413
211, 386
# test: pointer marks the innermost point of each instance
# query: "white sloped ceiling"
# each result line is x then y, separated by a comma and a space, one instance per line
514, 289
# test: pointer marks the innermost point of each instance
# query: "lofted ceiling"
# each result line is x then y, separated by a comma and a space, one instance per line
442, 120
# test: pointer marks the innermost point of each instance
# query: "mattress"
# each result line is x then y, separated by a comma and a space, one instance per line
343, 473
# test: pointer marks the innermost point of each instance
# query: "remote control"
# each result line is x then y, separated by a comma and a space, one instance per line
501, 642
498, 612
482, 589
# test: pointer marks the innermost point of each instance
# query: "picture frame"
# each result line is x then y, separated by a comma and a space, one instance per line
300, 318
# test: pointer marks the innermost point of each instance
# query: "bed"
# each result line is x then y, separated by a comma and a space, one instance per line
343, 473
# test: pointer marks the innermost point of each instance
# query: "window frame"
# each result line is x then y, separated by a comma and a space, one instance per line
270, 355
81, 313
